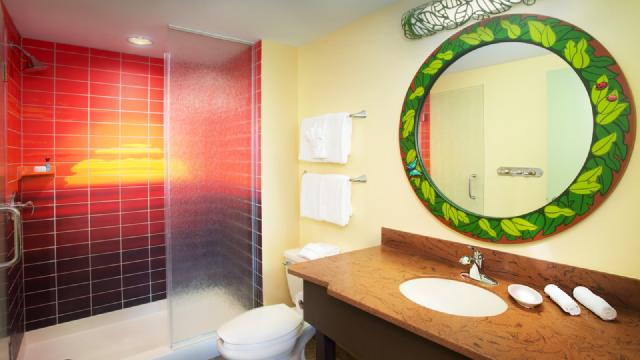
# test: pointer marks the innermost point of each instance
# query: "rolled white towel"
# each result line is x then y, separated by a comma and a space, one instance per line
594, 303
563, 300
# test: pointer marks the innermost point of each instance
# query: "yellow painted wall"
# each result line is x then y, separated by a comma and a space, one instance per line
279, 165
369, 65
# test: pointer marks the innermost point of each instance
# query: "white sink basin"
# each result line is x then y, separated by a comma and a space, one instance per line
453, 297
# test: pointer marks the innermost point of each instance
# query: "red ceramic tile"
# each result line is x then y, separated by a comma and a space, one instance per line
39, 98
106, 272
72, 223
137, 217
72, 196
107, 207
108, 233
104, 247
72, 237
71, 155
131, 92
134, 117
72, 210
156, 61
106, 103
136, 68
72, 59
135, 230
156, 70
71, 114
137, 58
105, 53
156, 228
135, 80
134, 130
102, 63
72, 48
36, 227
71, 73
110, 90
72, 100
98, 221
72, 141
156, 82
105, 116
37, 141
156, 94
37, 127
39, 241
101, 76
37, 83
72, 87
135, 242
71, 128
156, 106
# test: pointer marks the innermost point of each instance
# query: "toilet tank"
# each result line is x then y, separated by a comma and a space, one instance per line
295, 283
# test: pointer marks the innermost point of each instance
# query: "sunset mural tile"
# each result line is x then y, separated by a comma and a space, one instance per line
90, 113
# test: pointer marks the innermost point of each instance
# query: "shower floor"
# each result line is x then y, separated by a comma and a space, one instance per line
137, 333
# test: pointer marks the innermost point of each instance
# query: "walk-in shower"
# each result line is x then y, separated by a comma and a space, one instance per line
205, 115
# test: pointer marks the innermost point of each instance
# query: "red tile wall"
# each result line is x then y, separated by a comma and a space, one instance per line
95, 242
257, 106
12, 129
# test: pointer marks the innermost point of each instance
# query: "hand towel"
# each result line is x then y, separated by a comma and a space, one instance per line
326, 138
314, 251
563, 300
594, 303
326, 198
310, 188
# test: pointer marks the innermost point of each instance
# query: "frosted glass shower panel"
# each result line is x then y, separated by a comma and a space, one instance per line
209, 182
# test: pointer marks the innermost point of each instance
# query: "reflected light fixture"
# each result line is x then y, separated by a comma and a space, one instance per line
139, 40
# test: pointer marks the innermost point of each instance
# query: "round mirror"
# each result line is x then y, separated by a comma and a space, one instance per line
505, 129
516, 128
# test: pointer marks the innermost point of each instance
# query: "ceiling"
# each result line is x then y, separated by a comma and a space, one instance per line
106, 24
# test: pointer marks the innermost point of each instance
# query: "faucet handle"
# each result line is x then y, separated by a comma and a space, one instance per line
465, 260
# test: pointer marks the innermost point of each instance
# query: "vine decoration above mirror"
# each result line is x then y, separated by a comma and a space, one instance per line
439, 15
611, 144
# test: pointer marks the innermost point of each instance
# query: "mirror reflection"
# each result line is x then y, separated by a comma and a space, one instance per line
505, 129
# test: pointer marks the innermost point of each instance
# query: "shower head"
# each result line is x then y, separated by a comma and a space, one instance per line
33, 64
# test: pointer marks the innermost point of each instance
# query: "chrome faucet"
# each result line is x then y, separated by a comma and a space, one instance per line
476, 265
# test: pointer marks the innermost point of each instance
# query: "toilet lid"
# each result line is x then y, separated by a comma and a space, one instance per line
260, 325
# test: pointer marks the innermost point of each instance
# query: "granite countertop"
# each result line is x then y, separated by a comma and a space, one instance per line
369, 279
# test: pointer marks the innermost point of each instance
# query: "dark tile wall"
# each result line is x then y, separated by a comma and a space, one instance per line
257, 173
96, 240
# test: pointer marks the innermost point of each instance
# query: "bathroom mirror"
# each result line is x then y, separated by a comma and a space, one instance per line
505, 105
516, 128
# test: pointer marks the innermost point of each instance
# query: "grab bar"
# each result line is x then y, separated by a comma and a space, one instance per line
17, 235
471, 178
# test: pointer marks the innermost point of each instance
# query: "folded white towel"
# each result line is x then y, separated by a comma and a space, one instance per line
326, 198
326, 138
594, 303
314, 251
316, 135
562, 299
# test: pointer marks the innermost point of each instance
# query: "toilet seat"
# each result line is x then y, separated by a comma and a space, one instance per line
261, 325
266, 332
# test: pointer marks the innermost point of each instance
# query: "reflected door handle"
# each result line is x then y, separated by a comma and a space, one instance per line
471, 178
17, 235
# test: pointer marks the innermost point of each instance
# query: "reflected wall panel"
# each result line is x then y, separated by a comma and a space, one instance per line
213, 207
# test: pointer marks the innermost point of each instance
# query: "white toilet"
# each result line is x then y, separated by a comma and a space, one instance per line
274, 332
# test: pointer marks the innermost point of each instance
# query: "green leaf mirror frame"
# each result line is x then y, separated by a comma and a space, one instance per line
611, 144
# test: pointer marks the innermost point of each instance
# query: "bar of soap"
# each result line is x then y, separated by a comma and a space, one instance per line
39, 169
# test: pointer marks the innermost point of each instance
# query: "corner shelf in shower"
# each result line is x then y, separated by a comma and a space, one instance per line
27, 171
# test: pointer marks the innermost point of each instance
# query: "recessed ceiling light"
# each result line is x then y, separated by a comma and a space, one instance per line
139, 40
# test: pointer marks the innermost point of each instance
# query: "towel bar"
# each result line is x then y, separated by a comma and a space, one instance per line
359, 179
360, 115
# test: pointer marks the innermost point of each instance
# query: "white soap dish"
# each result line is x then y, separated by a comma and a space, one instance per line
525, 295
